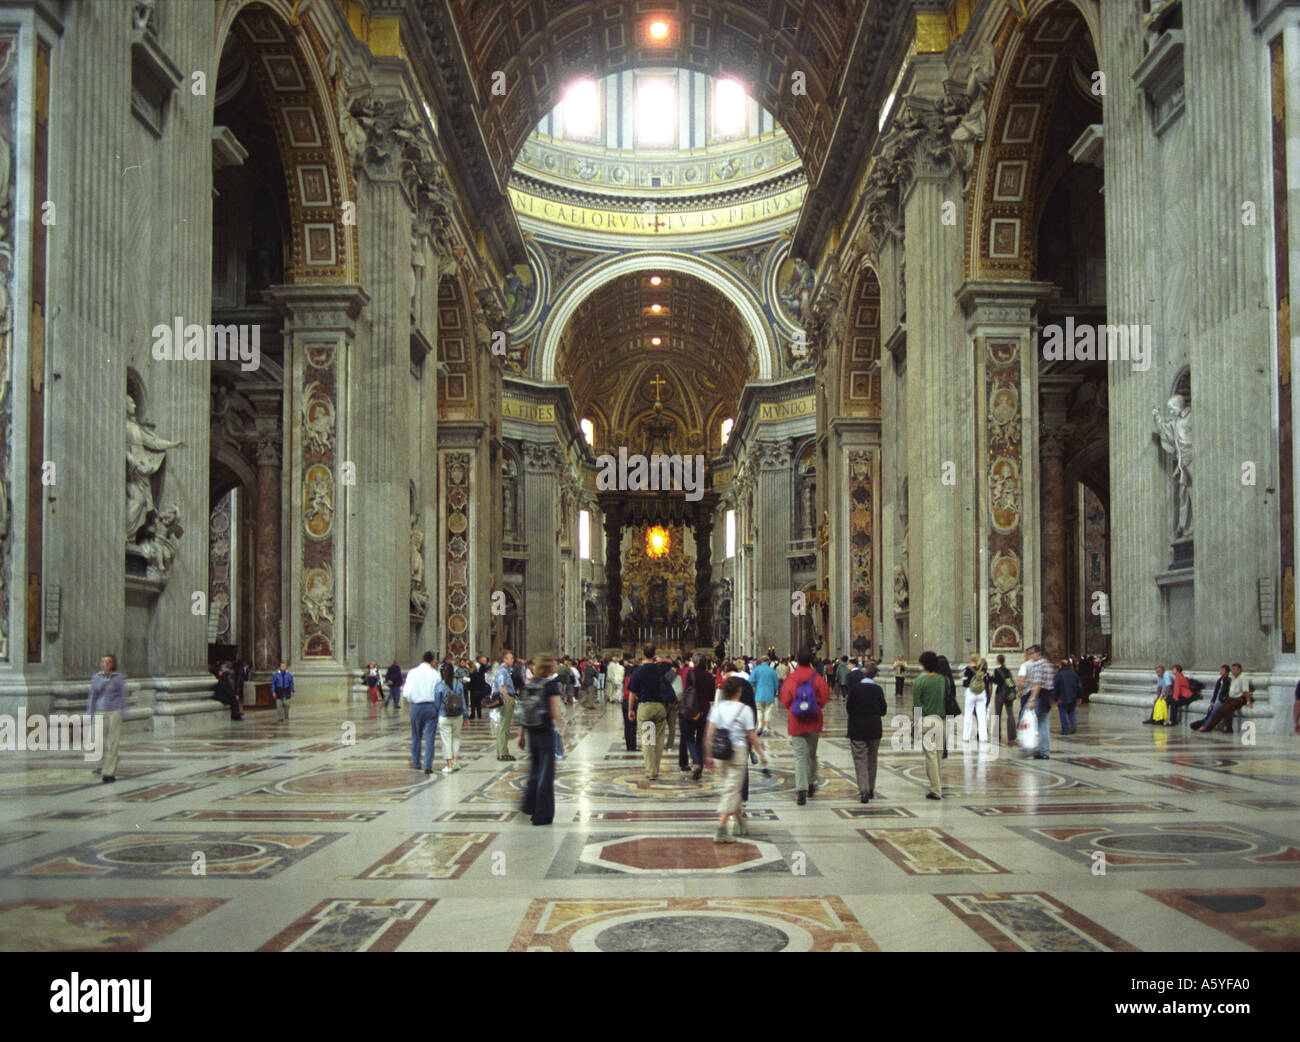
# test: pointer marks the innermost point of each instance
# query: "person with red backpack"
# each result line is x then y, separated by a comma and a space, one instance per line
803, 694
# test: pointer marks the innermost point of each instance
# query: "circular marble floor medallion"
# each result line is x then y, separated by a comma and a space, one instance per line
691, 932
1175, 843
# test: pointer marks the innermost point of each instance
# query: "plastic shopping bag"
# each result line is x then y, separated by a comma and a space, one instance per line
1160, 712
494, 720
1027, 733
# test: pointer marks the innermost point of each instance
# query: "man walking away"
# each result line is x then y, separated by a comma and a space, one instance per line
804, 694
614, 681
1004, 695
419, 691
1069, 689
282, 691
1041, 685
646, 706
108, 698
765, 682
393, 681
866, 706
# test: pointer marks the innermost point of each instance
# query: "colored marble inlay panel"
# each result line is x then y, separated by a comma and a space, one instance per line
1200, 846
16, 837
96, 925
821, 924
238, 770
319, 439
431, 855
1097, 763
877, 811
1002, 778
1282, 309
1266, 918
608, 782
351, 925
1182, 783
154, 793
324, 816
372, 784
861, 529
755, 814
677, 854
1005, 495
477, 815
929, 852
144, 855
456, 550
997, 810
1033, 922
1248, 802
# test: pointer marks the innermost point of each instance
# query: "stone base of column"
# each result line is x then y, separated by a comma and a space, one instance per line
326, 682
183, 704
1128, 693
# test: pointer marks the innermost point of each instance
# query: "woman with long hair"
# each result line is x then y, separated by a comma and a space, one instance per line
449, 697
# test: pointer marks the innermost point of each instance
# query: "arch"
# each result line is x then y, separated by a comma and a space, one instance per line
457, 396
1001, 230
729, 285
287, 63
859, 390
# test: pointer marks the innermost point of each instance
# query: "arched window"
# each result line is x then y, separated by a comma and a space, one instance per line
731, 533
730, 109
584, 535
580, 112
727, 424
588, 430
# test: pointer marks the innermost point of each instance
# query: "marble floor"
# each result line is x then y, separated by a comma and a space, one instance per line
270, 837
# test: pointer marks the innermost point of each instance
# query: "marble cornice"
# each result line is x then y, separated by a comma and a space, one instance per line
635, 202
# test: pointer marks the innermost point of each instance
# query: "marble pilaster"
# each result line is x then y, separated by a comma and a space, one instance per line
541, 513
267, 625
320, 329
773, 494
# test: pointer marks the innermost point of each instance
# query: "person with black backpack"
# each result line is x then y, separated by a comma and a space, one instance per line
449, 697
1004, 697
803, 694
541, 724
691, 716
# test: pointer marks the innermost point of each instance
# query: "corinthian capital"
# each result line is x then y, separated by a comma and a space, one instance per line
919, 145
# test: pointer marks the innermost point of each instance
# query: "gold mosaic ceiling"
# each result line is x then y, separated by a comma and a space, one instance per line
705, 354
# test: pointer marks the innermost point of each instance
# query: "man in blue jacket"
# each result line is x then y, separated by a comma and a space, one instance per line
108, 698
282, 691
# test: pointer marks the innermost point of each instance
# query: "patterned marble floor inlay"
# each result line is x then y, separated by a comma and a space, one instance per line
1266, 918
1182, 783
323, 816
477, 815
1032, 922
999, 778
145, 855
822, 924
431, 855
96, 925
759, 814
154, 793
996, 810
352, 925
1207, 845
16, 837
927, 851
374, 784
1249, 802
876, 811
681, 854
1097, 763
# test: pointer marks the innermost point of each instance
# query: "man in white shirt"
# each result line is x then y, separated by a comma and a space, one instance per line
418, 690
614, 681
1241, 693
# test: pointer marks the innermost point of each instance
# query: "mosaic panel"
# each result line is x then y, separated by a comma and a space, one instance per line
431, 855
317, 497
927, 851
1200, 846
821, 924
456, 489
96, 925
149, 855
691, 855
861, 528
1006, 494
1266, 918
351, 925
1031, 922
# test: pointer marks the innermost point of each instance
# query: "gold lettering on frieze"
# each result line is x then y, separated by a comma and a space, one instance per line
771, 411
528, 412
669, 223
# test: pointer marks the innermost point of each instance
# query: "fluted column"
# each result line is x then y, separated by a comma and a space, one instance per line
1052, 526
268, 577
772, 498
614, 575
704, 577
541, 499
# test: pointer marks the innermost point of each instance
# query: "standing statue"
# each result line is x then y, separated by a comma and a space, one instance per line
1174, 429
419, 591
145, 455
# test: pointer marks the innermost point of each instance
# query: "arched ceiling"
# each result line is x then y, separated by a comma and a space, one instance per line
705, 355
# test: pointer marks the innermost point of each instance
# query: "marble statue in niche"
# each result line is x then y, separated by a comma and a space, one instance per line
509, 475
419, 591
807, 486
1174, 429
902, 598
146, 453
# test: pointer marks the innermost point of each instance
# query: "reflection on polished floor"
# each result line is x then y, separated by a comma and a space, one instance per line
260, 836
